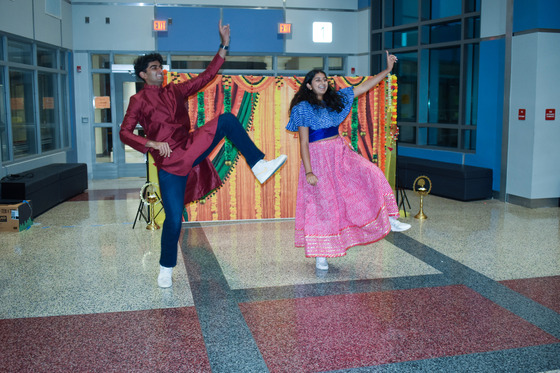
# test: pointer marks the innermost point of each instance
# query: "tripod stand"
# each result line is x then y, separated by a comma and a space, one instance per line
140, 211
399, 190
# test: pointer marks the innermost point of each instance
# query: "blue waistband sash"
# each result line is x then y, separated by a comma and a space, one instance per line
322, 133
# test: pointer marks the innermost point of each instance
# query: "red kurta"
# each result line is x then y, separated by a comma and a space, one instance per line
163, 113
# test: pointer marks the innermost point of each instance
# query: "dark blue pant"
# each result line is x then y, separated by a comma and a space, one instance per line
172, 187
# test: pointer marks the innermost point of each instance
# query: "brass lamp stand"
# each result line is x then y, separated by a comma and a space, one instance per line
419, 186
149, 195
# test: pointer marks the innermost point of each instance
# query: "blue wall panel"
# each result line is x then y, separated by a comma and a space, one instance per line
255, 30
192, 29
530, 14
490, 109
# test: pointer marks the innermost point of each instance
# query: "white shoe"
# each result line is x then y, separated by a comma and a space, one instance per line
263, 170
397, 226
164, 278
321, 263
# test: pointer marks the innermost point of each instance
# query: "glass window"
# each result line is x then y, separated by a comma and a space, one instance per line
100, 61
64, 117
19, 52
377, 63
102, 98
248, 63
405, 38
103, 144
407, 79
376, 14
434, 9
125, 59
472, 28
190, 62
24, 130
441, 137
300, 63
48, 112
444, 32
469, 139
472, 6
407, 134
4, 148
470, 95
336, 63
62, 60
376, 42
401, 12
46, 57
444, 82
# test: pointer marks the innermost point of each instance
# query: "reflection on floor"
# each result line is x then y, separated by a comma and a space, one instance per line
474, 288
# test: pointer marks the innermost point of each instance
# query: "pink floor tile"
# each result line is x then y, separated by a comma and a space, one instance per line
543, 290
345, 331
164, 340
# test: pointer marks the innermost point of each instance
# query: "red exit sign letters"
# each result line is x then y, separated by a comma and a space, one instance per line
160, 26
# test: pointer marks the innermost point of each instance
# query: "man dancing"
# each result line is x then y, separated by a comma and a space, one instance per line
184, 171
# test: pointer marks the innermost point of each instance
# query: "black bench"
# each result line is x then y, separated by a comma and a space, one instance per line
455, 181
46, 186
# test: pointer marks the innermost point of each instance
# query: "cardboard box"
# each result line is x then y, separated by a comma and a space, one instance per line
15, 217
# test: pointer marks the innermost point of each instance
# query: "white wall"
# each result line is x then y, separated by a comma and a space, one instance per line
83, 106
27, 18
533, 158
129, 28
344, 29
323, 4
17, 17
493, 18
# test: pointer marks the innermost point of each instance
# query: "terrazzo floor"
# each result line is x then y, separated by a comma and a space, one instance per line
474, 288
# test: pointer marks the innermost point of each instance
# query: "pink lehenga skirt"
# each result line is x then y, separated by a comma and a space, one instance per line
349, 206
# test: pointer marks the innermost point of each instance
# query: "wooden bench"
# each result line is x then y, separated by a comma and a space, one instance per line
46, 186
455, 181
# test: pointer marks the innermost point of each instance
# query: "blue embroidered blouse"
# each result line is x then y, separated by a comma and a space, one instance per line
322, 119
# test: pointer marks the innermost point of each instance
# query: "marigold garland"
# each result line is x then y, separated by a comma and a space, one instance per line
208, 103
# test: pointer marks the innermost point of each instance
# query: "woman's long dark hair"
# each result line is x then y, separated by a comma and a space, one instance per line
330, 99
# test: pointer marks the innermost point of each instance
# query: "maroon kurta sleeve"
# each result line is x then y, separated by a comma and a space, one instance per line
129, 124
162, 114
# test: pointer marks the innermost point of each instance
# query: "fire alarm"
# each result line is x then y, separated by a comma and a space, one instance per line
78, 69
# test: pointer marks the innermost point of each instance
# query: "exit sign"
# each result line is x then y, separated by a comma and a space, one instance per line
284, 28
160, 26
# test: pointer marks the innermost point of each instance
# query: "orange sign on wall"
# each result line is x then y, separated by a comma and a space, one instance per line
102, 102
284, 28
160, 26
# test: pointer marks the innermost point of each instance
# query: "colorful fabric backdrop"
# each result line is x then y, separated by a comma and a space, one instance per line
261, 104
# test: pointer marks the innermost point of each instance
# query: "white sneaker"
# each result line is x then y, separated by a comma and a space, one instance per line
397, 226
321, 263
164, 278
263, 170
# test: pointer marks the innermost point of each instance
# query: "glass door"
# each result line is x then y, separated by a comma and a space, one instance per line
129, 162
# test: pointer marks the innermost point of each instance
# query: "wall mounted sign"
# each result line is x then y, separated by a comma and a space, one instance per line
160, 26
284, 28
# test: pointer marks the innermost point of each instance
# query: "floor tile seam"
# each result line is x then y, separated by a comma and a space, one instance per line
538, 358
517, 303
3, 317
229, 343
41, 226
250, 295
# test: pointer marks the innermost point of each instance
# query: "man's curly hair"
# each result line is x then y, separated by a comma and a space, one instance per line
141, 63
